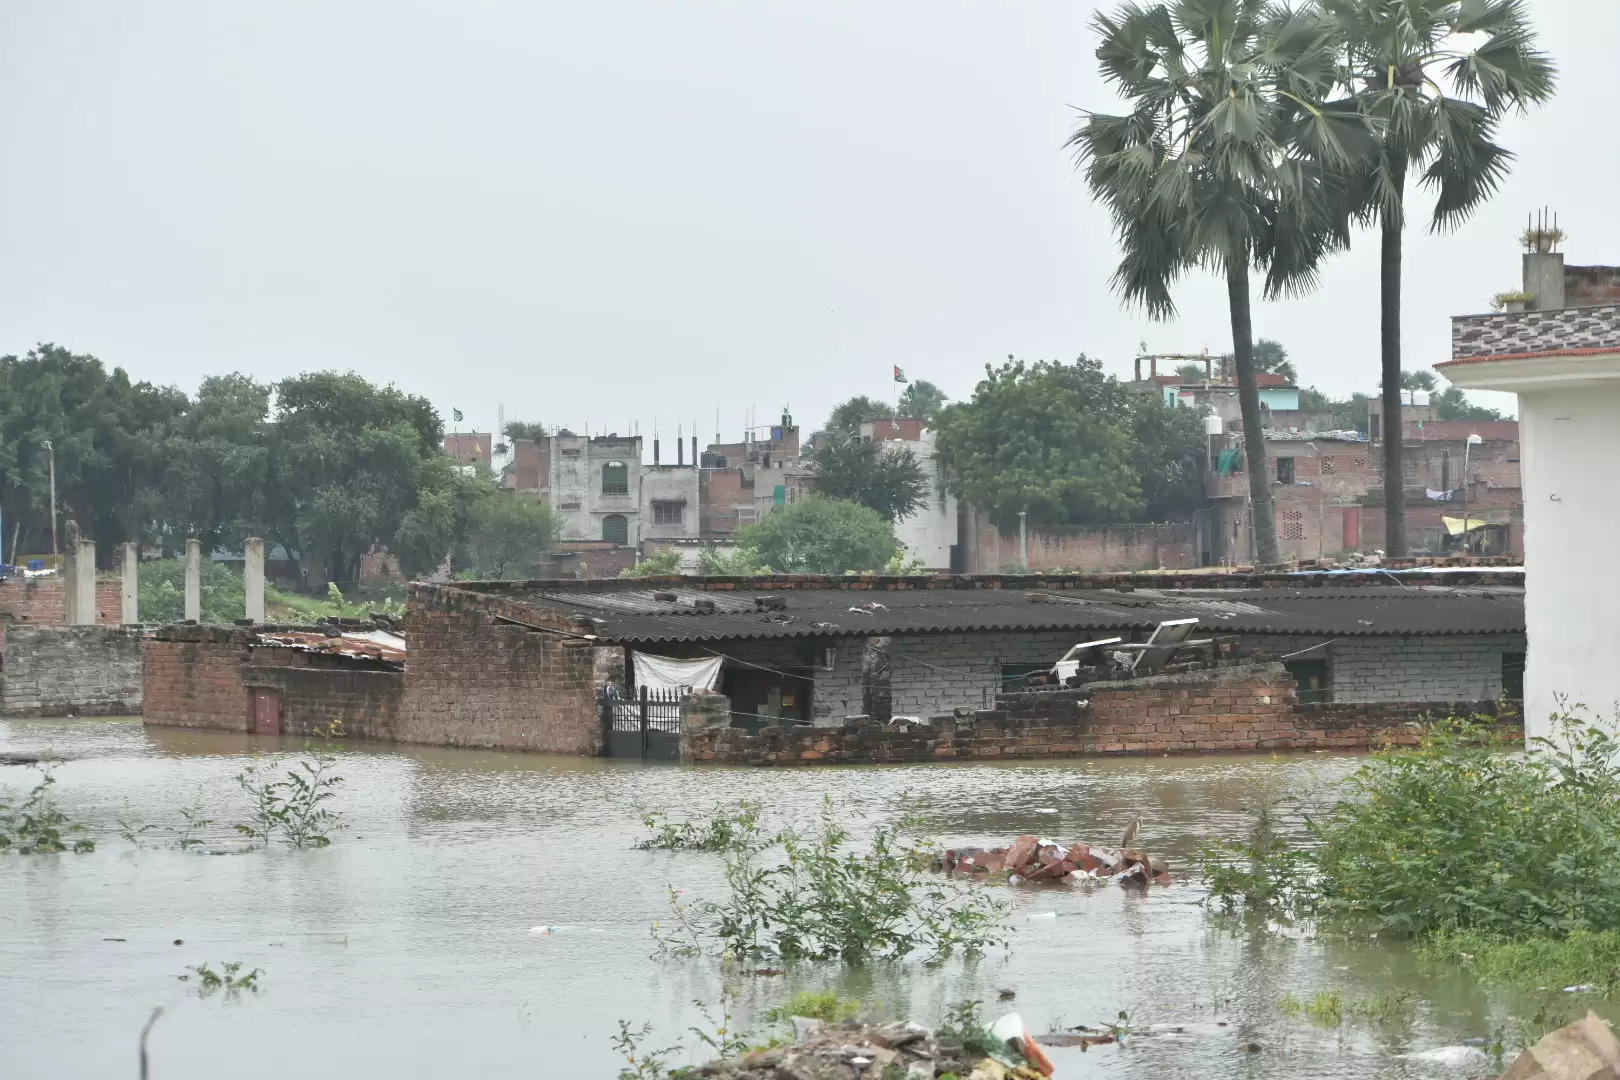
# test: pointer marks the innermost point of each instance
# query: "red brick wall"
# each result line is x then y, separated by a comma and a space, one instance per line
474, 680
364, 703
1245, 709
197, 683
468, 447
43, 601
529, 465
719, 493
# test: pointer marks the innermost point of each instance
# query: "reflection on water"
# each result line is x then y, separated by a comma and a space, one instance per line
404, 949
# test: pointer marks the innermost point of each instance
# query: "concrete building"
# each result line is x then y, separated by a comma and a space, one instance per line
1564, 364
741, 482
469, 447
930, 534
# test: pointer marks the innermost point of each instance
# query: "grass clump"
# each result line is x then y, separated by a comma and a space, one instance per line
1583, 958
229, 979
722, 830
825, 1005
1329, 1009
827, 900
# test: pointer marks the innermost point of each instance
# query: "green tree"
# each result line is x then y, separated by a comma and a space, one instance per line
1219, 165
820, 536
922, 400
507, 538
1048, 438
848, 416
162, 588
732, 562
1191, 373
1271, 357
348, 462
1417, 380
890, 480
661, 564
1435, 77
216, 467
1168, 447
523, 429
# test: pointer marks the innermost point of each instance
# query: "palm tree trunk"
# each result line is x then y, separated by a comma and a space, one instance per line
1254, 437
1389, 303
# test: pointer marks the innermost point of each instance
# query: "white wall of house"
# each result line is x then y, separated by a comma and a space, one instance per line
929, 533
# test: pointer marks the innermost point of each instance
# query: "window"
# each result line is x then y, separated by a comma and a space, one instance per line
1513, 676
668, 513
1327, 466
1285, 470
1293, 525
1310, 680
616, 529
615, 478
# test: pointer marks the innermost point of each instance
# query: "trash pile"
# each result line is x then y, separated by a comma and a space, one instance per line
855, 1051
1585, 1050
1034, 859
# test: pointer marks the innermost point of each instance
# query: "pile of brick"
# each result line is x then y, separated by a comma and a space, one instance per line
857, 1051
1031, 858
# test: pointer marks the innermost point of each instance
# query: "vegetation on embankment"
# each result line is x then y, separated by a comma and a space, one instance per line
1484, 854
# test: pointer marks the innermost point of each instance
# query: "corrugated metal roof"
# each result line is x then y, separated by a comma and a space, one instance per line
635, 614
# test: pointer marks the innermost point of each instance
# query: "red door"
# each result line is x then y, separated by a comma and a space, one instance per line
266, 711
1352, 528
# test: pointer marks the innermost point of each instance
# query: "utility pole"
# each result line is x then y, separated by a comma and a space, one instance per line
1468, 444
51, 453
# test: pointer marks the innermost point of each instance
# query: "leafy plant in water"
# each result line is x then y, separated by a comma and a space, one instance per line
230, 979
825, 1005
641, 1063
1325, 1008
828, 902
35, 826
293, 806
1262, 875
130, 827
722, 830
192, 822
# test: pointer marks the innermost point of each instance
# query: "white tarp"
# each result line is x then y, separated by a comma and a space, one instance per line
666, 672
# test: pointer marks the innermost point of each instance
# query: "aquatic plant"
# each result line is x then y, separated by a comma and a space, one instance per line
830, 901
1325, 1008
36, 826
130, 827
641, 1063
192, 822
723, 829
230, 979
1262, 874
1584, 961
293, 806
826, 1005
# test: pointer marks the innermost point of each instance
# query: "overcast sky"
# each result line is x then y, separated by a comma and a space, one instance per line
612, 212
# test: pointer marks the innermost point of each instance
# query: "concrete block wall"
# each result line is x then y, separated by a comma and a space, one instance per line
1438, 668
72, 670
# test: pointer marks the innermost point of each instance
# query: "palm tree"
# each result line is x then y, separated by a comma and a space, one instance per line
1219, 165
1435, 77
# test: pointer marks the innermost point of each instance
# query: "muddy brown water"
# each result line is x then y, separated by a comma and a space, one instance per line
405, 949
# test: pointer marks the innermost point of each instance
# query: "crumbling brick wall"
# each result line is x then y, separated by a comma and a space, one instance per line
72, 670
363, 704
42, 601
476, 680
1244, 708
1152, 546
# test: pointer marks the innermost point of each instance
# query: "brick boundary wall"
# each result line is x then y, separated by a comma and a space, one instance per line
72, 670
365, 704
42, 601
196, 681
1245, 708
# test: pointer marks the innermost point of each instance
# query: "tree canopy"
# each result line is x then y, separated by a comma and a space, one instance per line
922, 400
848, 416
884, 477
819, 536
1070, 445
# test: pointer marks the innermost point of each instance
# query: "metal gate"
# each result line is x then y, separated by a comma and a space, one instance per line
645, 726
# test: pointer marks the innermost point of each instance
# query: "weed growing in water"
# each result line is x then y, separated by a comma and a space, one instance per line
641, 1063
823, 1005
192, 822
1585, 958
294, 806
35, 826
827, 902
1263, 874
230, 979
723, 830
1325, 1008
130, 827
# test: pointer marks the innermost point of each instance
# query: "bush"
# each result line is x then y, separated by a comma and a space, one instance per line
827, 902
35, 826
1459, 833
723, 830
162, 591
663, 564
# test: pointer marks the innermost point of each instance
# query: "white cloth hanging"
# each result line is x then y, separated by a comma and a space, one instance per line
668, 673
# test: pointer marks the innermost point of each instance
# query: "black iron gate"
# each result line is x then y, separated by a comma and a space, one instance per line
645, 726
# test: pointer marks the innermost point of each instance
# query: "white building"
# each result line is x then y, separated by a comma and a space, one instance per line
1564, 363
931, 531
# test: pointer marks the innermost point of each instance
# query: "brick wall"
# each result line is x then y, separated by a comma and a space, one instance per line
1588, 286
196, 681
72, 670
1443, 668
365, 703
1161, 546
43, 601
1246, 708
475, 680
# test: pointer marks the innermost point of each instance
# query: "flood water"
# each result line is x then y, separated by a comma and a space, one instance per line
405, 949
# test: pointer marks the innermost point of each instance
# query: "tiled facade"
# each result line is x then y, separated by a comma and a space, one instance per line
1528, 332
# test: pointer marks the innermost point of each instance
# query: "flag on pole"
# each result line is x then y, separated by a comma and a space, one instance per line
456, 413
899, 376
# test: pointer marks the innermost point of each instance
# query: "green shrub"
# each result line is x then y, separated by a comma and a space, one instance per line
722, 830
34, 826
162, 592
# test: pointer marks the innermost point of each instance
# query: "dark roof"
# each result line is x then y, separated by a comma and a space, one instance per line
633, 615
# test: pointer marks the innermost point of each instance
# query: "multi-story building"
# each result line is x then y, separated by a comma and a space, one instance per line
930, 534
741, 482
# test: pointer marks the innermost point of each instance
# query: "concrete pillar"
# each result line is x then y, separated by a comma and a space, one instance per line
84, 584
1544, 280
877, 674
194, 581
70, 584
253, 577
132, 593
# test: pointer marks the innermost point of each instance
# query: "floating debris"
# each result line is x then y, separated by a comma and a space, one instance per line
1032, 859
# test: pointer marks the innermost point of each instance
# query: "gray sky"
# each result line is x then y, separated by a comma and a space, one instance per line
605, 212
